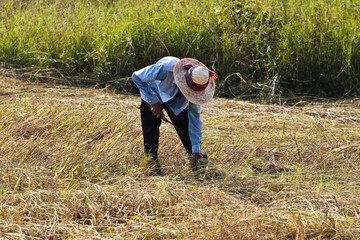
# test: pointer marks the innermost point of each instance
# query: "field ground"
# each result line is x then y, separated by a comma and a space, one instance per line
70, 169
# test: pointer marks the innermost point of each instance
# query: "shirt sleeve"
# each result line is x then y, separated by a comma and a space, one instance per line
142, 77
195, 127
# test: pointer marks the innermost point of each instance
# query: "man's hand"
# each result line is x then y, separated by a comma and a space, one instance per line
198, 161
156, 109
196, 156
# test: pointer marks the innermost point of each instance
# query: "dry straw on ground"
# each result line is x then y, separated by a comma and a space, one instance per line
70, 162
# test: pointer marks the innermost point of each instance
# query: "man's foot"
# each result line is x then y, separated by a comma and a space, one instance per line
152, 167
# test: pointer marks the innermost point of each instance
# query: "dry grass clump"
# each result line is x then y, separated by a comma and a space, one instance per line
70, 169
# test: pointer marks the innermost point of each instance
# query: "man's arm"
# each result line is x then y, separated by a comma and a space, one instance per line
142, 78
146, 75
195, 128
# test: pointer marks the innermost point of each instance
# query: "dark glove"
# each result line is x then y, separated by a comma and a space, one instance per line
198, 160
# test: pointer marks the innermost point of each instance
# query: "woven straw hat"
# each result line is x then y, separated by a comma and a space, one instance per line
195, 80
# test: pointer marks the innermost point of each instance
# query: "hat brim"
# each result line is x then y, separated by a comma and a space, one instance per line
197, 97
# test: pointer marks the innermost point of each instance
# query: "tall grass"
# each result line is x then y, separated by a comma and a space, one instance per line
272, 47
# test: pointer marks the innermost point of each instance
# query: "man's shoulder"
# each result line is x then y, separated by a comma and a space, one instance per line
169, 62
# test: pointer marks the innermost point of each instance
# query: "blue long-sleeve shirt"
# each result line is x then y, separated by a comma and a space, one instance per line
157, 84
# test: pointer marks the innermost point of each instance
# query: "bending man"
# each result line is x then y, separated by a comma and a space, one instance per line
179, 87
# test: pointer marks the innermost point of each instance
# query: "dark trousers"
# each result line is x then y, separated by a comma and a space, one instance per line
151, 124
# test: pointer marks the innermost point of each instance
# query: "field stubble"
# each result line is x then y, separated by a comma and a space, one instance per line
70, 162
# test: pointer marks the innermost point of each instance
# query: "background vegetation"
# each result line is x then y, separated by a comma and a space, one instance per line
259, 48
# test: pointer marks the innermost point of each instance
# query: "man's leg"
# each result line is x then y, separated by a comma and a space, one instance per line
181, 124
150, 127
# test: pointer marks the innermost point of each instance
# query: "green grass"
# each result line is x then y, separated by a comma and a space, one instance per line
260, 49
70, 168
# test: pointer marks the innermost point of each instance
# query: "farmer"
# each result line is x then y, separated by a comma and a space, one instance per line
179, 87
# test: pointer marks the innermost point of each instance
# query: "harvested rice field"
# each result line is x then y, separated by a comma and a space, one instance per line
70, 168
